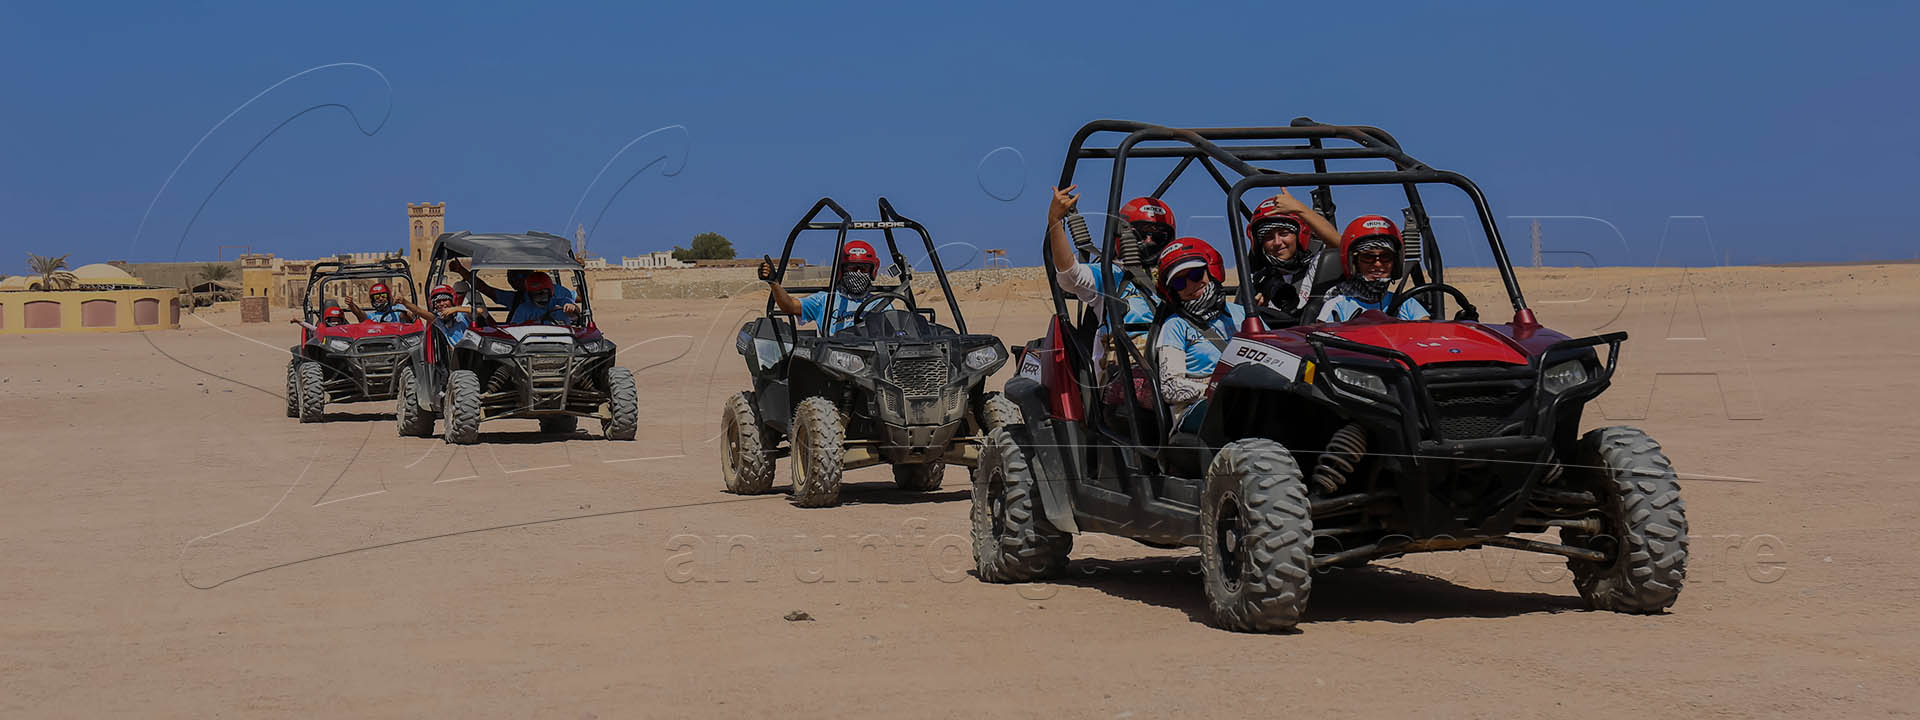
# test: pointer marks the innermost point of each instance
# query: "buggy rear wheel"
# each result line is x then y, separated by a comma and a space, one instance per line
818, 448
461, 407
411, 419
925, 477
313, 391
746, 467
1645, 527
623, 402
1257, 548
1012, 540
293, 388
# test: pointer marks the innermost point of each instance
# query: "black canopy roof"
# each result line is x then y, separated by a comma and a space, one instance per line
505, 252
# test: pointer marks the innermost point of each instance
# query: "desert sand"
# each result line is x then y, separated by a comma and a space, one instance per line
173, 546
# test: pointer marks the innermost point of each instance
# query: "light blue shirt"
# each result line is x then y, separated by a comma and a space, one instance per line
1341, 308
813, 308
454, 327
1180, 332
393, 313
1139, 308
520, 308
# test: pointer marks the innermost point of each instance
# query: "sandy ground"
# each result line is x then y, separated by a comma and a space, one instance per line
173, 546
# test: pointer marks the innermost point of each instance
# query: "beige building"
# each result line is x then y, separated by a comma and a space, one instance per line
105, 299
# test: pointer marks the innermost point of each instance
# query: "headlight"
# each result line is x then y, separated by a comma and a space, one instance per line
411, 341
845, 362
981, 358
338, 345
598, 346
1367, 381
1564, 376
495, 347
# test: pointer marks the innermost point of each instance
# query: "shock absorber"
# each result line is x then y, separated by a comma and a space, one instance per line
1082, 238
1342, 455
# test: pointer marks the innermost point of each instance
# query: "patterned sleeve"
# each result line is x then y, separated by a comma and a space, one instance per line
1176, 387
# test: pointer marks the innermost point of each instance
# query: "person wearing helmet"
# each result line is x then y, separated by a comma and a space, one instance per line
448, 314
383, 310
859, 265
1370, 260
522, 304
1188, 344
332, 317
1282, 231
1152, 223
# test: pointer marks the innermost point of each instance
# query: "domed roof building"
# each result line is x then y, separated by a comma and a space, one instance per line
103, 274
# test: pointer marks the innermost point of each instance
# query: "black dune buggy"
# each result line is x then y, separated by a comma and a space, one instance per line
895, 387
493, 371
1327, 446
355, 362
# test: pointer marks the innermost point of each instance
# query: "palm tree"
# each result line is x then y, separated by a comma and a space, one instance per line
213, 272
52, 272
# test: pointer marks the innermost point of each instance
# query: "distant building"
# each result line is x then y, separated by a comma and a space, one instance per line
596, 263
657, 260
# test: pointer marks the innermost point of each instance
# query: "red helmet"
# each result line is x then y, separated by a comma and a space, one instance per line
379, 289
858, 252
1267, 215
1146, 209
1369, 228
439, 290
331, 314
538, 281
1189, 252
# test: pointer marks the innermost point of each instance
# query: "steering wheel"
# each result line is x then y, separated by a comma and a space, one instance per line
1467, 310
860, 313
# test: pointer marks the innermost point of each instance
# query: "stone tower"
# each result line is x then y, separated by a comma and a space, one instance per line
425, 222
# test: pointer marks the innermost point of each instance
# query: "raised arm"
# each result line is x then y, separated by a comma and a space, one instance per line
1063, 204
1321, 227
781, 298
353, 308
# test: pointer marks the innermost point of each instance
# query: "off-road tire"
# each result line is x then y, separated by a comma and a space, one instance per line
1257, 548
819, 446
1646, 523
410, 419
461, 408
293, 388
623, 402
996, 410
559, 424
1012, 540
313, 391
746, 466
925, 477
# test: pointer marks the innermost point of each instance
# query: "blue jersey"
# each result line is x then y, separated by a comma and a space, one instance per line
1139, 308
454, 327
521, 309
1341, 308
1202, 354
392, 313
813, 308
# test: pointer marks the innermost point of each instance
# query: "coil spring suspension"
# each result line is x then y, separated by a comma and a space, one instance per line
1342, 455
1082, 238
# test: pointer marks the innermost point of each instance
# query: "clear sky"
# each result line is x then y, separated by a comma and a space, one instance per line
1780, 131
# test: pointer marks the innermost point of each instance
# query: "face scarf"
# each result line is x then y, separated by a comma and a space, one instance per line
1290, 265
1206, 307
1357, 286
856, 283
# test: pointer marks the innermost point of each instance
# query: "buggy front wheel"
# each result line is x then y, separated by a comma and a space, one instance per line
623, 402
746, 466
1256, 550
819, 439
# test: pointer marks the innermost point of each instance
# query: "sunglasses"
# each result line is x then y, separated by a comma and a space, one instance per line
1374, 258
1181, 280
1152, 232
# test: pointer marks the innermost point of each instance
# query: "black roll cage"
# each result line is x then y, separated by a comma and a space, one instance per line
889, 221
1198, 144
333, 271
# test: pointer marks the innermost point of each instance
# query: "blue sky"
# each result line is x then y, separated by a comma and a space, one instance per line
1777, 131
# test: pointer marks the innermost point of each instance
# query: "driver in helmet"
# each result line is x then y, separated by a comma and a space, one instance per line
551, 303
1190, 341
384, 310
1282, 231
859, 264
1370, 260
452, 317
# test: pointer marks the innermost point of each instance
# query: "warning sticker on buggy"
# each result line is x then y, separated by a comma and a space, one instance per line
1240, 351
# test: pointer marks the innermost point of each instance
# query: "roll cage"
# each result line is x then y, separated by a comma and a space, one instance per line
1302, 141
889, 221
386, 270
533, 250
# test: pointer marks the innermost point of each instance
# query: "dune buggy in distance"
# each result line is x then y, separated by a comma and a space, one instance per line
896, 386
354, 362
1328, 445
554, 373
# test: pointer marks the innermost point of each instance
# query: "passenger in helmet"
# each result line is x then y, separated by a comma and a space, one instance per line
1189, 342
550, 303
1152, 224
332, 317
383, 308
859, 265
1370, 261
1282, 232
448, 314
